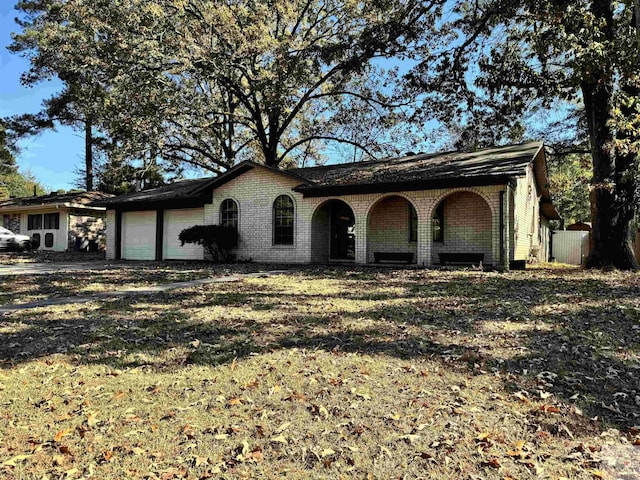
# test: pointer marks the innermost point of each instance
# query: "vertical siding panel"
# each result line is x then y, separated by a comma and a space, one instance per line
570, 247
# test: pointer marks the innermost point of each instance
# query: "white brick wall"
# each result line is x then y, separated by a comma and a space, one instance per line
378, 226
472, 222
255, 192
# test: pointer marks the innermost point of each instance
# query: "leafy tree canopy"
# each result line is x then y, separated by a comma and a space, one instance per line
499, 61
22, 184
569, 179
209, 83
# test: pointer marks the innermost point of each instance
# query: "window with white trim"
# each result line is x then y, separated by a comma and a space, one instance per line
229, 213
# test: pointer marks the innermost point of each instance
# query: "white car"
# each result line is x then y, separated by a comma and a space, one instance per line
14, 241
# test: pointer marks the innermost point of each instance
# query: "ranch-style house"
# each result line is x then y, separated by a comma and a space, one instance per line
491, 206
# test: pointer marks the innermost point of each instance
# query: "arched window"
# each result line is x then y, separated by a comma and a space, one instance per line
283, 214
229, 213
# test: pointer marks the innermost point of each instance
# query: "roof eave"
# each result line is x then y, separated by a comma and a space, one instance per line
162, 204
38, 206
413, 185
540, 171
549, 211
51, 206
87, 206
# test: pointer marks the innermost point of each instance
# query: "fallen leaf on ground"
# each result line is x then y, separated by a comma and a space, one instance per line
62, 433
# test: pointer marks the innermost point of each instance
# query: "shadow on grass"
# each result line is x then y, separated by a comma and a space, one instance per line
570, 334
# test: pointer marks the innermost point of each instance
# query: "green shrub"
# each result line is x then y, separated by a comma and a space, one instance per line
218, 240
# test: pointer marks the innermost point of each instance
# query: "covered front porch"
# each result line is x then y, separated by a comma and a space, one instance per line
333, 236
455, 227
462, 230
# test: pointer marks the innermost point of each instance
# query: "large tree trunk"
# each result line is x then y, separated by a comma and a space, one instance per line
613, 189
88, 154
611, 233
270, 150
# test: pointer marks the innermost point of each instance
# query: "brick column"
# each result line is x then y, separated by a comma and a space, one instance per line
110, 234
425, 237
501, 241
361, 237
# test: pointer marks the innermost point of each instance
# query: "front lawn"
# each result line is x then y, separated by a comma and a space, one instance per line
109, 277
328, 373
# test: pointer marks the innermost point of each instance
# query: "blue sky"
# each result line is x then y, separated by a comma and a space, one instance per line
52, 156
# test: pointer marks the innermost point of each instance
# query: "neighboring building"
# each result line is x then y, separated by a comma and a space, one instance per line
57, 221
579, 227
491, 205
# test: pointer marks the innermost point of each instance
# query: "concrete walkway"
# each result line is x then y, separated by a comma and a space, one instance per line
127, 292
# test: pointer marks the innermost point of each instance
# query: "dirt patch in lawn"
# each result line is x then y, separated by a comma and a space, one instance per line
330, 373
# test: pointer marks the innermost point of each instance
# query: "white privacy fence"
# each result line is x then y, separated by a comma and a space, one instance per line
570, 247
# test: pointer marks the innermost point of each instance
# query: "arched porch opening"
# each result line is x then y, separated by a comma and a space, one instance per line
462, 228
333, 233
392, 231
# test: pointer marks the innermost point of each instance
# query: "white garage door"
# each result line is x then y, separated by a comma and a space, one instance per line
139, 235
174, 222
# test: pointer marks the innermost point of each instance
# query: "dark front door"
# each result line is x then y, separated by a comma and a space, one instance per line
343, 240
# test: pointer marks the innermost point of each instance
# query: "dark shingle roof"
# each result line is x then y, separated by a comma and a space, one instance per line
413, 172
184, 189
498, 162
69, 199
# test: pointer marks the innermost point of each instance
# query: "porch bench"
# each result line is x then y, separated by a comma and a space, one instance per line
395, 257
461, 258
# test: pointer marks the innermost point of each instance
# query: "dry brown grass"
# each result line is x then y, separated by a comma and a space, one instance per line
328, 373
